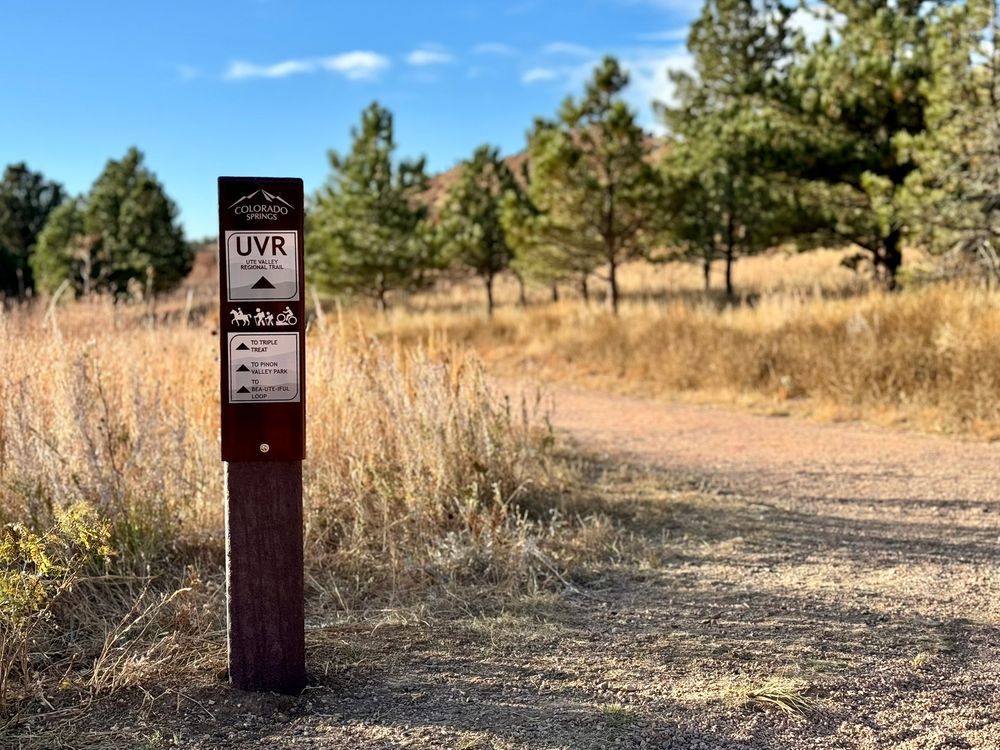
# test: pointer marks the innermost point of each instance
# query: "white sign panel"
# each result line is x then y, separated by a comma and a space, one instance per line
263, 367
262, 266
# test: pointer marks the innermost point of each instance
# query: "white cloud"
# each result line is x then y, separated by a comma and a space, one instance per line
812, 24
566, 48
428, 56
494, 48
650, 82
356, 66
536, 75
241, 69
647, 68
359, 65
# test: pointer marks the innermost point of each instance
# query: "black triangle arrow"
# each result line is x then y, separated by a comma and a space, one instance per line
242, 368
263, 283
244, 347
243, 390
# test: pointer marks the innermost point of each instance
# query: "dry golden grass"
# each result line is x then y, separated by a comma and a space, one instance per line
415, 482
778, 692
816, 273
924, 357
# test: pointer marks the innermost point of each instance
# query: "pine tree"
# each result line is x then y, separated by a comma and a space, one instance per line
368, 235
857, 98
543, 254
720, 202
65, 252
121, 238
594, 193
953, 198
470, 221
26, 200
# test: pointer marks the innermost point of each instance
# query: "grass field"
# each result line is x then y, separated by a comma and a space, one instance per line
808, 337
425, 488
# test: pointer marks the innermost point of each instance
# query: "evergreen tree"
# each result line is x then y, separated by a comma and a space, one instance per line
26, 200
720, 202
857, 97
368, 235
542, 253
954, 197
122, 237
719, 199
66, 252
592, 187
470, 222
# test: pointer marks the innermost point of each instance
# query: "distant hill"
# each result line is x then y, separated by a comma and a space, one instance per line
440, 183
204, 276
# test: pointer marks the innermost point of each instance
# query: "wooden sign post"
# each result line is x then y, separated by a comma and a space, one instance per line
262, 338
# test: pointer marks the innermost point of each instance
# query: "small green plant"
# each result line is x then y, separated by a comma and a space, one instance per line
35, 569
616, 714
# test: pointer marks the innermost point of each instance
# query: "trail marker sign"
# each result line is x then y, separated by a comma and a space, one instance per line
262, 358
261, 281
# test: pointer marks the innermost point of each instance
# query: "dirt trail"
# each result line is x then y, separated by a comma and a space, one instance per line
871, 555
788, 457
857, 565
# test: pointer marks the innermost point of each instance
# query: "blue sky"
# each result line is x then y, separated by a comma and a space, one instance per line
264, 87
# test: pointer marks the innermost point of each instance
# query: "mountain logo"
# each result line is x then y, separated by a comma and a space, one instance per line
261, 205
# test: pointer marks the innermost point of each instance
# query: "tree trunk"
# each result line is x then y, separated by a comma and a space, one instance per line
522, 297
86, 273
381, 302
706, 269
730, 293
488, 280
555, 292
20, 283
613, 285
730, 257
730, 240
584, 288
892, 259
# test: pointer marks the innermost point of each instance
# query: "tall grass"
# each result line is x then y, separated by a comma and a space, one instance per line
927, 355
817, 273
413, 482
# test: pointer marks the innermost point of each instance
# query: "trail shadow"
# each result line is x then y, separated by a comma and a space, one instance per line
718, 593
669, 645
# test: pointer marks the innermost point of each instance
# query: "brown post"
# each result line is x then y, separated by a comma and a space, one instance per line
264, 575
262, 346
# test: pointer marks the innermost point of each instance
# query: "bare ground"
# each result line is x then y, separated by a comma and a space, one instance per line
848, 574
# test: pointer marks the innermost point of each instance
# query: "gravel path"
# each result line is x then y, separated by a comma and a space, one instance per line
851, 566
864, 560
789, 458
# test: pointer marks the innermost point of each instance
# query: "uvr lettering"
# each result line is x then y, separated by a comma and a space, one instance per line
260, 243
